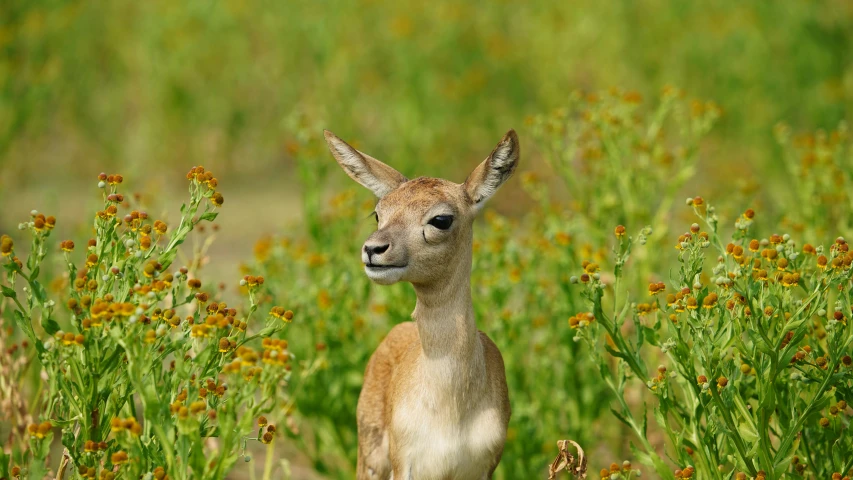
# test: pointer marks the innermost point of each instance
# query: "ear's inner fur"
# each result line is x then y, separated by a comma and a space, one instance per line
494, 170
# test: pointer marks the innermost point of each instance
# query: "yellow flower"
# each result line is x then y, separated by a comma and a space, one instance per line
710, 301
200, 331
119, 457
198, 407
282, 314
160, 227
39, 430
754, 246
6, 245
217, 200
226, 345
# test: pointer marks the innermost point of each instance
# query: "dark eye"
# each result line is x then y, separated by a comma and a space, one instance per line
376, 216
441, 222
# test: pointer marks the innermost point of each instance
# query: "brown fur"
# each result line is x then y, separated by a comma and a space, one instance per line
434, 404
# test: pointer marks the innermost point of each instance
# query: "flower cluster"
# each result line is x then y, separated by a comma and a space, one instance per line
768, 309
625, 471
266, 430
205, 180
275, 352
581, 320
135, 334
282, 314
129, 424
40, 430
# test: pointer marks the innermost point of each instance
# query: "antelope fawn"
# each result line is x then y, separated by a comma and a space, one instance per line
434, 404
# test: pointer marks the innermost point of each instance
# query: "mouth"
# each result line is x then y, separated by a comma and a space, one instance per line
378, 268
385, 274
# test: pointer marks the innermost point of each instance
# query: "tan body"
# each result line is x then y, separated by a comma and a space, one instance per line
434, 405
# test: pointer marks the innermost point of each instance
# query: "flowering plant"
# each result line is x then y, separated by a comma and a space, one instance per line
145, 373
756, 369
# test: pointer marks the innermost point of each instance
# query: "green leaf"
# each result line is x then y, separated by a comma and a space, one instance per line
621, 418
4, 464
68, 439
11, 267
31, 262
38, 291
641, 457
791, 326
651, 336
49, 325
640, 333
652, 460
209, 216
759, 342
615, 353
783, 464
8, 291
167, 258
37, 466
24, 325
747, 432
660, 418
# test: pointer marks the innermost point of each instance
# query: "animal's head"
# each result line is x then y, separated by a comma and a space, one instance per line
424, 226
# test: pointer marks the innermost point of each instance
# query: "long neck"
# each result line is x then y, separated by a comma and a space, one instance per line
445, 316
448, 334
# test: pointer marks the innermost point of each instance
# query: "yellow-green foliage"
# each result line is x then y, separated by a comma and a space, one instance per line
210, 82
546, 289
619, 168
140, 365
247, 86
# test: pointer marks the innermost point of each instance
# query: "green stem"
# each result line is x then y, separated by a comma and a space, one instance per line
268, 461
741, 448
795, 429
660, 467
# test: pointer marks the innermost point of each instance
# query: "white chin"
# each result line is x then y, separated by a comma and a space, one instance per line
385, 275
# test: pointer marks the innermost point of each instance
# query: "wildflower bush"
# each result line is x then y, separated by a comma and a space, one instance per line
721, 358
754, 344
598, 137
145, 372
520, 281
551, 327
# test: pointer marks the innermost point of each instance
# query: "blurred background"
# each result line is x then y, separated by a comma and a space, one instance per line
149, 89
245, 87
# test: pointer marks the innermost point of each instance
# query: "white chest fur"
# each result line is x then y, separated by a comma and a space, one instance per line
447, 433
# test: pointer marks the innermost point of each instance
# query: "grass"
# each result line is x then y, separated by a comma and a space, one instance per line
245, 88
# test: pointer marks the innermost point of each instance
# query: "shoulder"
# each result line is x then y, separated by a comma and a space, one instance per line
496, 373
400, 339
490, 350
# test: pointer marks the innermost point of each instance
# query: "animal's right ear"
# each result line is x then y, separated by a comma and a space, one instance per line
364, 169
494, 171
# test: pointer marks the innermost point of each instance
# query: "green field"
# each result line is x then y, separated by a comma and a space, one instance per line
624, 109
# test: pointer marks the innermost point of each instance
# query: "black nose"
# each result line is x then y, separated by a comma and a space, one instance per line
376, 249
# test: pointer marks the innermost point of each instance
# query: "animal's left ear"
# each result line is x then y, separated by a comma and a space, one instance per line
494, 171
